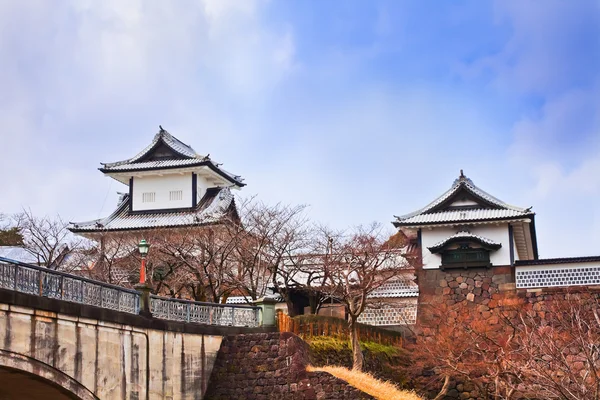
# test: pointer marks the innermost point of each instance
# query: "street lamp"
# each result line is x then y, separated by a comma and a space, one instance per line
143, 247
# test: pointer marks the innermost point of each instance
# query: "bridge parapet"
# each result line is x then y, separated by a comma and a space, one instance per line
31, 279
95, 347
204, 313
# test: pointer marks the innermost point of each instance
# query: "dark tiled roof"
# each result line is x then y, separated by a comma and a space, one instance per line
213, 207
431, 214
464, 235
562, 260
186, 156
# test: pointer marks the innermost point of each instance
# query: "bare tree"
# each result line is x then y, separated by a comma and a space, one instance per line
548, 350
242, 253
354, 265
268, 237
46, 238
111, 258
201, 259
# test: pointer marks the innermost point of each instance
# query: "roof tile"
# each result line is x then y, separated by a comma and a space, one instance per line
212, 208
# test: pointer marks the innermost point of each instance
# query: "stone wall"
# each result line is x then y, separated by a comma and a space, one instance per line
488, 296
272, 366
486, 288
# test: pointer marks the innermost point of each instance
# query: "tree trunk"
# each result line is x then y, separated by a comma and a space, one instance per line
290, 306
313, 302
357, 356
444, 390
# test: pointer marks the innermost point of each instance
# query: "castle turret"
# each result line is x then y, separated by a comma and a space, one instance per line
170, 185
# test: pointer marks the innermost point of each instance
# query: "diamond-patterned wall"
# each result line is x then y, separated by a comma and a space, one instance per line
391, 312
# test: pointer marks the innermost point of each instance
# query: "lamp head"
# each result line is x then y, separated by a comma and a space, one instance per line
143, 247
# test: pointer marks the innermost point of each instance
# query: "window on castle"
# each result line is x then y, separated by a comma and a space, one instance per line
466, 258
175, 195
148, 197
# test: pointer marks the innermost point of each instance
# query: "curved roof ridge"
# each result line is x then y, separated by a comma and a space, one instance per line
212, 209
482, 193
167, 138
465, 234
461, 182
123, 204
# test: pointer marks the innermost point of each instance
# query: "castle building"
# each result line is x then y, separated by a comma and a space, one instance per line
170, 186
473, 240
467, 227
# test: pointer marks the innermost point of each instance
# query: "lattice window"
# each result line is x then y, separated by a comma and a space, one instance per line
175, 195
148, 197
557, 276
399, 313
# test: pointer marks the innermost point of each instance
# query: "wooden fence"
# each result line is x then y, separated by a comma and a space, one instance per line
335, 327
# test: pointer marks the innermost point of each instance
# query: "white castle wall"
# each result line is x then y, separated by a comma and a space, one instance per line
161, 186
497, 233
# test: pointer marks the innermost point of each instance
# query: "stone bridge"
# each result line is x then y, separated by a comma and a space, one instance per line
65, 337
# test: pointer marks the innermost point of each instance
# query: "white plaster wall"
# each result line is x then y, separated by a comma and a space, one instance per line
498, 234
201, 185
162, 185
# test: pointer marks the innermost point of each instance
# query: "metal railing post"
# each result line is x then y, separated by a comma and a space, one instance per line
40, 283
15, 282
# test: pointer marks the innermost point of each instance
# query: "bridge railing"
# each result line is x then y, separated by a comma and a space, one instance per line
204, 313
45, 282
40, 281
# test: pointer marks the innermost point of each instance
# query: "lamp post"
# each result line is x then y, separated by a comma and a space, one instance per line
143, 247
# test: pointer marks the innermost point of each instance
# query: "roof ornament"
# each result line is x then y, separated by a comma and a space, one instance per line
206, 157
161, 128
462, 175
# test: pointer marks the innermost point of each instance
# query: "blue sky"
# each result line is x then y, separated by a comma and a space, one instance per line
361, 110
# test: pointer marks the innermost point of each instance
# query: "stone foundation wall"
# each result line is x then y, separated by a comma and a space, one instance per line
272, 366
489, 295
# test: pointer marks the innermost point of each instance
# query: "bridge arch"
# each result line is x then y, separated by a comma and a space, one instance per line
21, 369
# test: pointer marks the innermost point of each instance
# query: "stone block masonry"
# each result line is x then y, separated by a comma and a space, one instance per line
489, 297
272, 366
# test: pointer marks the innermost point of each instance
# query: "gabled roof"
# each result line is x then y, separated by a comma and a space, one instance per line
180, 150
214, 206
462, 236
479, 206
167, 152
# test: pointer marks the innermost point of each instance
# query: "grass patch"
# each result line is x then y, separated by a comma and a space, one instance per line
315, 319
327, 343
367, 383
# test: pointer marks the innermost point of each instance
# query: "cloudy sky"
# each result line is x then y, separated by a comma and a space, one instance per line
360, 109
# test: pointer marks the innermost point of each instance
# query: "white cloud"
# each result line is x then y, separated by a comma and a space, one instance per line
83, 80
